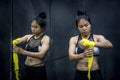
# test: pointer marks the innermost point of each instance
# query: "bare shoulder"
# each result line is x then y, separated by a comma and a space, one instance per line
25, 38
98, 37
28, 36
46, 38
73, 39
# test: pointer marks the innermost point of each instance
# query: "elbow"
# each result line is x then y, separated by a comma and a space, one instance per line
39, 56
71, 58
111, 46
108, 45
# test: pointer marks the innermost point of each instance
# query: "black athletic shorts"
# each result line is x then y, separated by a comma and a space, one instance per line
82, 75
33, 73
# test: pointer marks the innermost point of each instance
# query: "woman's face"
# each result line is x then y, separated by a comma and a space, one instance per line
84, 27
36, 28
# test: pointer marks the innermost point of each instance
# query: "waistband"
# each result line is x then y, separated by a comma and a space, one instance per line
92, 72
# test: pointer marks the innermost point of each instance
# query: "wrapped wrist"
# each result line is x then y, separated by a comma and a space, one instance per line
16, 41
87, 43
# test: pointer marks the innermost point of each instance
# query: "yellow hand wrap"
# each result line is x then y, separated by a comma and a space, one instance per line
89, 44
15, 59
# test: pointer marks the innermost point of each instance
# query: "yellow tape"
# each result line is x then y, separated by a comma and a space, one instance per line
16, 65
90, 61
16, 59
89, 44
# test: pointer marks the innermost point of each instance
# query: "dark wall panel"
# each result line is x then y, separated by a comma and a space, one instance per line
63, 27
5, 27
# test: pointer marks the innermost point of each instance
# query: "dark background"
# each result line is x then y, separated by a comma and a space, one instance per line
15, 18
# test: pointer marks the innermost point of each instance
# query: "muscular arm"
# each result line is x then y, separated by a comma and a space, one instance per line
24, 39
102, 42
71, 51
41, 53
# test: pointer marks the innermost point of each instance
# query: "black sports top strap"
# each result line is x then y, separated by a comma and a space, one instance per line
40, 38
80, 38
34, 44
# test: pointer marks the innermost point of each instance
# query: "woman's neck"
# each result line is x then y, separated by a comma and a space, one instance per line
37, 36
85, 36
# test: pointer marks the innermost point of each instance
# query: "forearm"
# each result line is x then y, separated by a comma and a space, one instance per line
32, 54
76, 57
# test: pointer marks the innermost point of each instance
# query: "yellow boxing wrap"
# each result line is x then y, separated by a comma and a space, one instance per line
89, 44
15, 59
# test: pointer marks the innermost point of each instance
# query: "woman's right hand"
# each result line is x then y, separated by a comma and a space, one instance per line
17, 49
88, 52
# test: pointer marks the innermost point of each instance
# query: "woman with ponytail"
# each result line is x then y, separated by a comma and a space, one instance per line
37, 47
84, 49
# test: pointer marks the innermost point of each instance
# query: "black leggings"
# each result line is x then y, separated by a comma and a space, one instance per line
82, 75
33, 73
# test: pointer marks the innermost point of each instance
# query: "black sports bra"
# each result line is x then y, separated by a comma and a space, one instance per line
34, 45
80, 48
